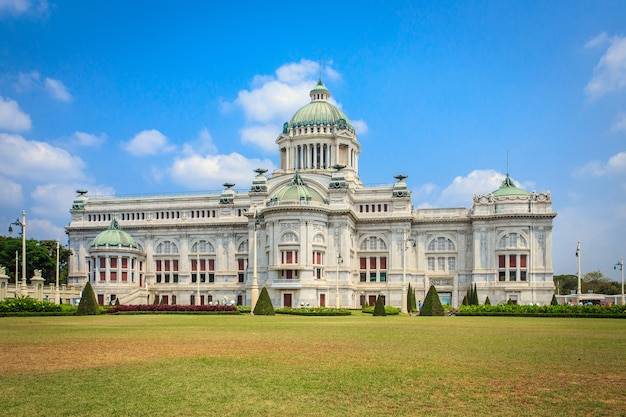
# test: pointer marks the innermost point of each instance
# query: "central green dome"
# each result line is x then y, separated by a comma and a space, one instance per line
114, 236
320, 111
297, 190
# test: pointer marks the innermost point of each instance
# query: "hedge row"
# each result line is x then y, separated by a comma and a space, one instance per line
27, 304
314, 311
615, 311
177, 308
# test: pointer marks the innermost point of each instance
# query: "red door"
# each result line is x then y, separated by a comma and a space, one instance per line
322, 300
286, 300
372, 300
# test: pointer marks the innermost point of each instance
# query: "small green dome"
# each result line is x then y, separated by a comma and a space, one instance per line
297, 190
508, 188
114, 236
320, 111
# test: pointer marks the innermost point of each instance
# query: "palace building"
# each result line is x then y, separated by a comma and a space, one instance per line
312, 234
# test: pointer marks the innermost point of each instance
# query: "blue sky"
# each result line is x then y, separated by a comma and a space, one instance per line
148, 97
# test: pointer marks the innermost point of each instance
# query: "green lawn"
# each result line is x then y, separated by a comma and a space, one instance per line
186, 365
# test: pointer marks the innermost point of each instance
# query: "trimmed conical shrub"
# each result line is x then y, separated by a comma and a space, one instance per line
474, 300
411, 305
264, 305
487, 301
554, 301
379, 308
88, 305
464, 302
432, 305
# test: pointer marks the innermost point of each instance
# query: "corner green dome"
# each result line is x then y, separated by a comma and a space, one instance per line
297, 190
114, 236
508, 188
320, 111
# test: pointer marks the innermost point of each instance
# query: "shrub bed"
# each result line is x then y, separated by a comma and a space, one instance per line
616, 311
389, 310
177, 308
28, 305
314, 311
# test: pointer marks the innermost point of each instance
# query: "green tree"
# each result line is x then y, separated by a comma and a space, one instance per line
264, 305
379, 308
487, 301
411, 305
565, 284
40, 254
554, 301
88, 305
432, 304
596, 282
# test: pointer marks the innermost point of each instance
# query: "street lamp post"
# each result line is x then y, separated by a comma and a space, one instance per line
22, 224
57, 295
339, 261
621, 268
405, 246
254, 290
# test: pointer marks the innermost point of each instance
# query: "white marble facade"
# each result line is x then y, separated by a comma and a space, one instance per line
323, 238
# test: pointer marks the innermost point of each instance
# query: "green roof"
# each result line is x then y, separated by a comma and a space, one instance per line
508, 188
114, 236
297, 190
320, 111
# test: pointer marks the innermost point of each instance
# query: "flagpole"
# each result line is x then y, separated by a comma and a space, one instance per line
579, 283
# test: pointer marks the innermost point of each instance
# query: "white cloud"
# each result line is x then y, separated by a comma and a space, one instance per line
57, 90
261, 135
18, 8
83, 139
38, 161
11, 193
463, 189
148, 142
610, 73
209, 172
620, 123
273, 99
31, 81
615, 165
360, 126
53, 200
23, 7
12, 118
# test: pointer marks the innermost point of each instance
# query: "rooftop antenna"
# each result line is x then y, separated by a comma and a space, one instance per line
507, 162
320, 64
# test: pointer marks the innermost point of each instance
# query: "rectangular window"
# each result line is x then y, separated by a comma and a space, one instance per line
512, 261
124, 276
372, 262
202, 277
166, 266
502, 276
431, 263
240, 264
175, 266
102, 276
194, 278
522, 261
383, 262
452, 264
211, 277
124, 263
372, 276
175, 277
211, 264
240, 277
113, 275
441, 264
501, 261
383, 276
113, 262
363, 276
512, 275
363, 263
522, 275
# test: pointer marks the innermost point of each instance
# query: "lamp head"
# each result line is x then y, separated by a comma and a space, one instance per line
10, 229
